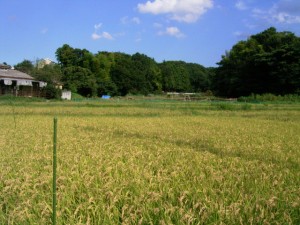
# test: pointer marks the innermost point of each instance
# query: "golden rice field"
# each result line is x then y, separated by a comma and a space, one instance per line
139, 162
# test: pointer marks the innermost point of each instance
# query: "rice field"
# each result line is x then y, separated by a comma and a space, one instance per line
139, 162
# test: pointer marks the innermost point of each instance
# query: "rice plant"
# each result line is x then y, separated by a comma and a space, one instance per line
151, 163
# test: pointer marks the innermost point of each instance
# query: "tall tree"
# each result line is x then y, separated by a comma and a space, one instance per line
80, 80
199, 77
26, 66
102, 64
268, 62
122, 75
175, 76
49, 73
147, 73
66, 56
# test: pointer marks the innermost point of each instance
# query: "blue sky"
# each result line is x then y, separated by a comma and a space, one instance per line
197, 31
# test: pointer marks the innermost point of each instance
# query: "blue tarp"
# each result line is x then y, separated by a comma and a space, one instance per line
105, 96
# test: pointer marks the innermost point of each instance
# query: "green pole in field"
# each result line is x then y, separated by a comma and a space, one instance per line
54, 173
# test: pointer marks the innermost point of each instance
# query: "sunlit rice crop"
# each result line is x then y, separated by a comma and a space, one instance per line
151, 163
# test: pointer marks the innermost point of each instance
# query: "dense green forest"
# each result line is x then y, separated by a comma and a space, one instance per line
268, 62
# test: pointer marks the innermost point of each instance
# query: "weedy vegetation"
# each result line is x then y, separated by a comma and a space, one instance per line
150, 162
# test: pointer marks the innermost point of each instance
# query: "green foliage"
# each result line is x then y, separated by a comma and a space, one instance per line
175, 76
80, 80
103, 62
199, 77
76, 96
8, 99
122, 76
118, 74
107, 88
268, 62
68, 56
148, 72
246, 106
51, 74
52, 92
185, 77
270, 98
223, 106
25, 66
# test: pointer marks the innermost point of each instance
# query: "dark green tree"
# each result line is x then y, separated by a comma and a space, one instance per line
102, 64
80, 80
26, 66
268, 62
175, 76
66, 56
77, 66
49, 73
147, 72
199, 77
281, 60
122, 75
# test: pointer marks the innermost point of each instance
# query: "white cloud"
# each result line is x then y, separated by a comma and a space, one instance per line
172, 31
136, 20
127, 20
282, 17
107, 35
187, 11
283, 12
241, 5
104, 34
95, 36
98, 26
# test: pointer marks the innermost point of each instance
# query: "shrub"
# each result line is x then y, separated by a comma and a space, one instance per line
246, 107
270, 98
224, 106
51, 92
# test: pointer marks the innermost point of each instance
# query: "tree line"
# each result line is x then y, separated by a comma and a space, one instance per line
268, 62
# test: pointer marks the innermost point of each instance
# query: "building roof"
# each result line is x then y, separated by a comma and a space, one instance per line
43, 62
48, 61
14, 74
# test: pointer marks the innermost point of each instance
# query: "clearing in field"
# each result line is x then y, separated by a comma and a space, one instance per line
140, 162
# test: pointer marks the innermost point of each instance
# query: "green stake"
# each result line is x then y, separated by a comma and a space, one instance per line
54, 173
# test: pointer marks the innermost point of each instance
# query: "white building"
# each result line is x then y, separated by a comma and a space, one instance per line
66, 95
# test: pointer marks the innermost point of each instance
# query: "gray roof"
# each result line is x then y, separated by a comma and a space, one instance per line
14, 74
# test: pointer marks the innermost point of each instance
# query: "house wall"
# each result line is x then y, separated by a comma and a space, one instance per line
6, 89
24, 91
67, 95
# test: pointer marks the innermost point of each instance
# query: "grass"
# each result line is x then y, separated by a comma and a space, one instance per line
139, 162
289, 98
